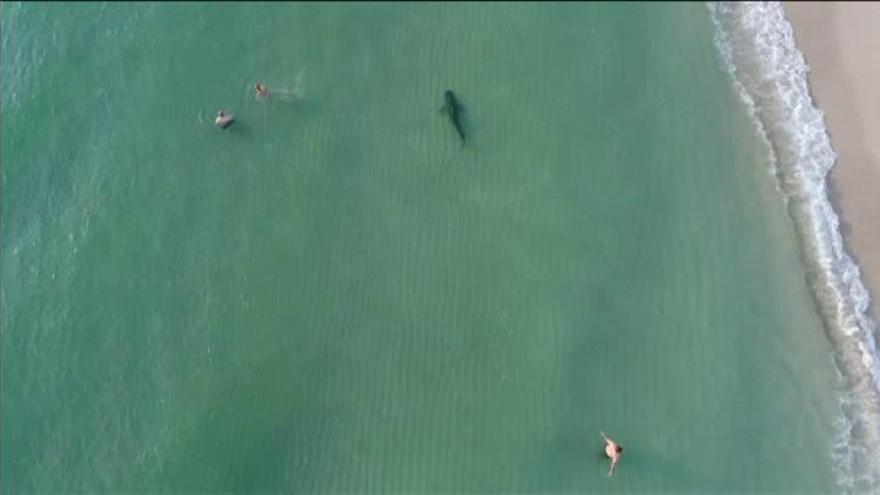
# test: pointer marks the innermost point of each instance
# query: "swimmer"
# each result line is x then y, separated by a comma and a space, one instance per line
612, 451
223, 120
261, 90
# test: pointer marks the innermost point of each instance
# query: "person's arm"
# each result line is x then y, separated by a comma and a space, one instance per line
611, 469
603, 435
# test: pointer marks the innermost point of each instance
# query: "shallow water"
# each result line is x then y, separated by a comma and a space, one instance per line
332, 295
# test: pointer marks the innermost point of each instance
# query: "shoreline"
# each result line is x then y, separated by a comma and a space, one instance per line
839, 41
827, 195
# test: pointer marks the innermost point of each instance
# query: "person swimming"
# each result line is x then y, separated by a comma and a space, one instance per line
262, 91
612, 451
224, 120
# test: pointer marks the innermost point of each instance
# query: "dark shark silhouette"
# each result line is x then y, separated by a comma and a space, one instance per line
453, 109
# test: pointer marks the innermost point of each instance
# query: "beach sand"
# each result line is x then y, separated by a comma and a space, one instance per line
840, 42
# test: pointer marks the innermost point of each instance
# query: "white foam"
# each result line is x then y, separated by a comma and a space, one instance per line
756, 45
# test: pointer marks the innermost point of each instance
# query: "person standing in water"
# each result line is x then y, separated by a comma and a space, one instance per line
223, 119
260, 90
612, 451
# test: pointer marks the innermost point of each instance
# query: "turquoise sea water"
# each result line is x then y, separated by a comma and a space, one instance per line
332, 296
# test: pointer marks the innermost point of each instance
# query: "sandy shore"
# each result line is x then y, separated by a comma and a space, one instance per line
841, 42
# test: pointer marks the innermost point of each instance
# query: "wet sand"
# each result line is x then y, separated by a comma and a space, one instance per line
840, 42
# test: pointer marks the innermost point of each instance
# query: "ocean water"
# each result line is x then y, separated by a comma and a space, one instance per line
333, 295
